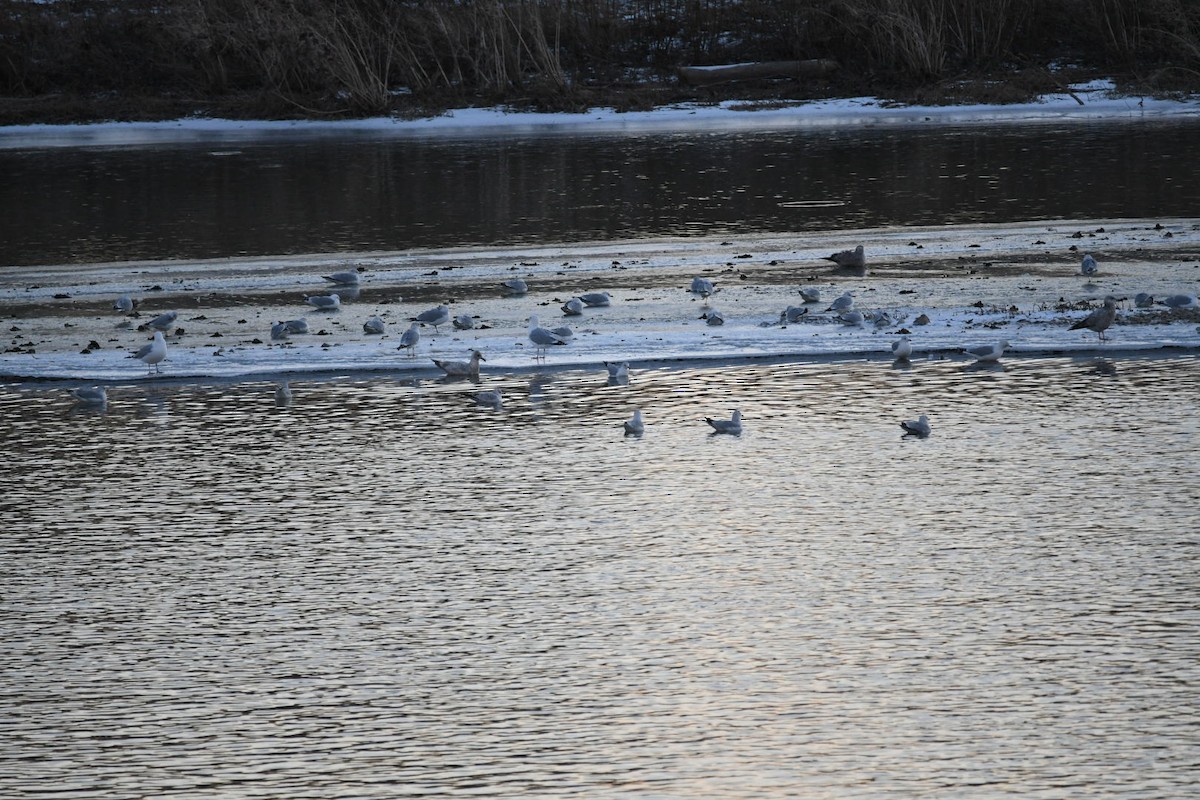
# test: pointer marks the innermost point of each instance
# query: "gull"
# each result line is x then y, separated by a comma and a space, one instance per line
374, 325
1089, 267
154, 352
1100, 319
462, 369
94, 396
343, 278
849, 258
1180, 301
851, 318
843, 303
515, 286
810, 295
732, 425
490, 398
702, 287
125, 304
618, 374
464, 322
634, 425
596, 299
916, 427
1143, 300
279, 331
792, 314
283, 394
410, 338
541, 337
713, 317
573, 307
324, 302
434, 316
297, 325
163, 322
988, 352
563, 332
881, 319
902, 348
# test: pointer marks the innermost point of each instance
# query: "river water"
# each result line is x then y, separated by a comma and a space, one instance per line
381, 589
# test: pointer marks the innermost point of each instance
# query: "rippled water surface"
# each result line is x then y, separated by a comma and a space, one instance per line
383, 590
353, 194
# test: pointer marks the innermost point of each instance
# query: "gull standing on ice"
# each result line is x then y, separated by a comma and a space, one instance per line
297, 325
374, 325
713, 317
596, 299
702, 287
94, 396
810, 295
902, 348
1180, 301
343, 278
515, 286
573, 307
843, 303
279, 331
916, 427
462, 369
987, 352
1089, 267
434, 316
324, 302
732, 425
542, 338
1143, 300
851, 318
163, 322
634, 425
464, 322
849, 258
563, 332
125, 304
153, 353
410, 338
792, 314
1100, 319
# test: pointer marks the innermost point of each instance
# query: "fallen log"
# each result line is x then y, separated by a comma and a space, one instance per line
707, 76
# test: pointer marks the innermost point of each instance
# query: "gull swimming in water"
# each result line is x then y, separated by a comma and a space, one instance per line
93, 396
349, 278
596, 299
297, 325
154, 352
792, 314
464, 322
283, 394
490, 398
434, 316
541, 337
324, 302
634, 425
902, 348
810, 295
843, 303
573, 307
987, 352
279, 331
854, 259
732, 425
916, 427
410, 338
163, 322
1100, 319
374, 325
462, 369
515, 286
702, 287
1089, 267
618, 373
125, 304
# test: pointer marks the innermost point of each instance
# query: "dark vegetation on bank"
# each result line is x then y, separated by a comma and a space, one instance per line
81, 60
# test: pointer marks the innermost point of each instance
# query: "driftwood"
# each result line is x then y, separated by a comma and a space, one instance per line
706, 76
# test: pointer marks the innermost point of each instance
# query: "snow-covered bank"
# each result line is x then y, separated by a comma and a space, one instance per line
1093, 101
974, 284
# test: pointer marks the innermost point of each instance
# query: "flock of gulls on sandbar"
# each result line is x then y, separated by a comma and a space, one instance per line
543, 338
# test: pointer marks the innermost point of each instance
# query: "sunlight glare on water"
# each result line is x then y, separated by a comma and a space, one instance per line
384, 590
